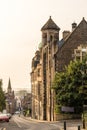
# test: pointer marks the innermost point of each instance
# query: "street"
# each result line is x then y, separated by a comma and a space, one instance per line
20, 123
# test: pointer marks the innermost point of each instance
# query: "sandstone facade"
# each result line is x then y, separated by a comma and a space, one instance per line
52, 56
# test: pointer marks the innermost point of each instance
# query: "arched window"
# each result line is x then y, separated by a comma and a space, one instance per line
44, 38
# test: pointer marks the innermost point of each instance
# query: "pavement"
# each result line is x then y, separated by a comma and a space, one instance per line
70, 124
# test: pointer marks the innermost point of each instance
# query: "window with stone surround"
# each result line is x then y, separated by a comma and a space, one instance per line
80, 53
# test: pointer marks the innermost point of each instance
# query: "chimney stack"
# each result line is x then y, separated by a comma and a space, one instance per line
65, 34
74, 25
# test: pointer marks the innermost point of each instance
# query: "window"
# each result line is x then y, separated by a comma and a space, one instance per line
38, 72
80, 53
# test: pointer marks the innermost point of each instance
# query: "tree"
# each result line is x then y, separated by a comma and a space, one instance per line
70, 86
2, 97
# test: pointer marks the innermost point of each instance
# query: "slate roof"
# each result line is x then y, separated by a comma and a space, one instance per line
50, 24
62, 42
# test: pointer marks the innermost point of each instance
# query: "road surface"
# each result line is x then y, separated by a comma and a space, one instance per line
20, 123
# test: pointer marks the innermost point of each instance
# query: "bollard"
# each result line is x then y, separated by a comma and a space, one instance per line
64, 125
78, 127
83, 123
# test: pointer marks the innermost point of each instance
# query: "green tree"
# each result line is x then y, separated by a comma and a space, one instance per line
2, 97
70, 86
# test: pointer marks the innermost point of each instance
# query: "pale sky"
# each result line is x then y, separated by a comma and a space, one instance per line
20, 24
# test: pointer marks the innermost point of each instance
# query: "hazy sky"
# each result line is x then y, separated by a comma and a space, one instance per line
20, 24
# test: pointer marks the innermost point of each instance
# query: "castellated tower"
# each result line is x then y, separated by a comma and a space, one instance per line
50, 39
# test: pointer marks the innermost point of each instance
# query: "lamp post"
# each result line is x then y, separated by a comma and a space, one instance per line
84, 105
83, 119
83, 72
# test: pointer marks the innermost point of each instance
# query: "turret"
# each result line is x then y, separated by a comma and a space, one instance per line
50, 32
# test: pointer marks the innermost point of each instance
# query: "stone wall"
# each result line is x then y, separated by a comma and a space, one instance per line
66, 116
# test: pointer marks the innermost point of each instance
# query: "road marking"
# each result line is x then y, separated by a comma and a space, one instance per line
4, 128
24, 120
17, 123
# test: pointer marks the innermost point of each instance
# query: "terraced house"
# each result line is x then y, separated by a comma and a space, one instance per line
53, 54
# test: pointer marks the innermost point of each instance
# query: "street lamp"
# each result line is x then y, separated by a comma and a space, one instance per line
83, 51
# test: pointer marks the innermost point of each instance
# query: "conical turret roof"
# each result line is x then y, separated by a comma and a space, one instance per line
50, 24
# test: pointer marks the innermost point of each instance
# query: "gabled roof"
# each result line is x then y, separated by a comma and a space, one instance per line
81, 23
61, 42
50, 24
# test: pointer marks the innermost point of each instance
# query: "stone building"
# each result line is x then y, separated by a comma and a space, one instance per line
73, 46
52, 56
10, 99
26, 102
36, 81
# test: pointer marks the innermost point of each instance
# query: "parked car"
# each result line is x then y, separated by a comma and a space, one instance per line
4, 117
9, 115
17, 112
